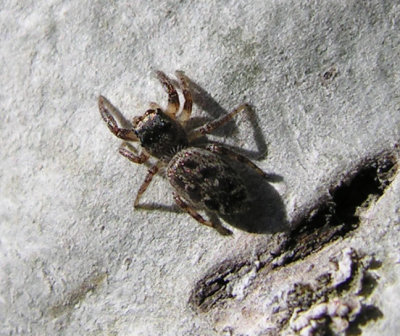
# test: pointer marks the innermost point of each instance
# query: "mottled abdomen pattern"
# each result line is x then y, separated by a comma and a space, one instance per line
207, 181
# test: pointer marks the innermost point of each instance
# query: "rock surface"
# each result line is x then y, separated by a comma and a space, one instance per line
323, 79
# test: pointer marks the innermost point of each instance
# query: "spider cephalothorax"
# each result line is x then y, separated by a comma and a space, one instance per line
159, 134
202, 176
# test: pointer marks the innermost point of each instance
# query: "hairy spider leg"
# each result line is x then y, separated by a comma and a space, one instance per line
212, 125
107, 111
188, 104
173, 98
130, 152
149, 177
192, 212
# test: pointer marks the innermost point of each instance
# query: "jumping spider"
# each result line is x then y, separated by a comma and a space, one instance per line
201, 175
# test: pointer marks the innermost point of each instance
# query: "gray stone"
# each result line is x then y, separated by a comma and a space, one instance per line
77, 259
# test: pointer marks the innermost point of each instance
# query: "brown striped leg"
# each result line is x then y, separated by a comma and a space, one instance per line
173, 98
187, 106
211, 126
108, 111
237, 157
192, 212
130, 152
150, 174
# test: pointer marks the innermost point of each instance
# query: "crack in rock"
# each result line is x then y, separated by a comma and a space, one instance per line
332, 218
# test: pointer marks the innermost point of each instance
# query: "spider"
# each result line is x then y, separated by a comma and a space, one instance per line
202, 176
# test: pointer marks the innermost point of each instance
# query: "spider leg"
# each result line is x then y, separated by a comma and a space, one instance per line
187, 106
192, 212
212, 125
173, 98
130, 152
150, 174
108, 111
237, 157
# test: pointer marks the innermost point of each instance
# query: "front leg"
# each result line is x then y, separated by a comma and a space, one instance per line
108, 111
173, 98
192, 212
188, 104
149, 177
130, 153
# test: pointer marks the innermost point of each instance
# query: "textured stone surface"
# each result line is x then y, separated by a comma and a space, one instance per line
76, 259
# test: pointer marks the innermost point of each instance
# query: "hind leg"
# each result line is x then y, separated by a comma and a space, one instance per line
192, 212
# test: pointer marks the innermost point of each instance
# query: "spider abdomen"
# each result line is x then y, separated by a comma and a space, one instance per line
207, 181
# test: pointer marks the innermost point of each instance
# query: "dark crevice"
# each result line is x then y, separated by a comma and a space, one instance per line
368, 313
213, 288
369, 181
368, 285
339, 215
336, 216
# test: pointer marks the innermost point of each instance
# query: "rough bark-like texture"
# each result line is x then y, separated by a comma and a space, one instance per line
319, 252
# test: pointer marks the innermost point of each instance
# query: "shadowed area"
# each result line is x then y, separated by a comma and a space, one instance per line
207, 103
266, 212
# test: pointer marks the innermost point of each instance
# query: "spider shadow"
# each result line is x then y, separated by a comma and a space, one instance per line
265, 214
266, 211
207, 103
